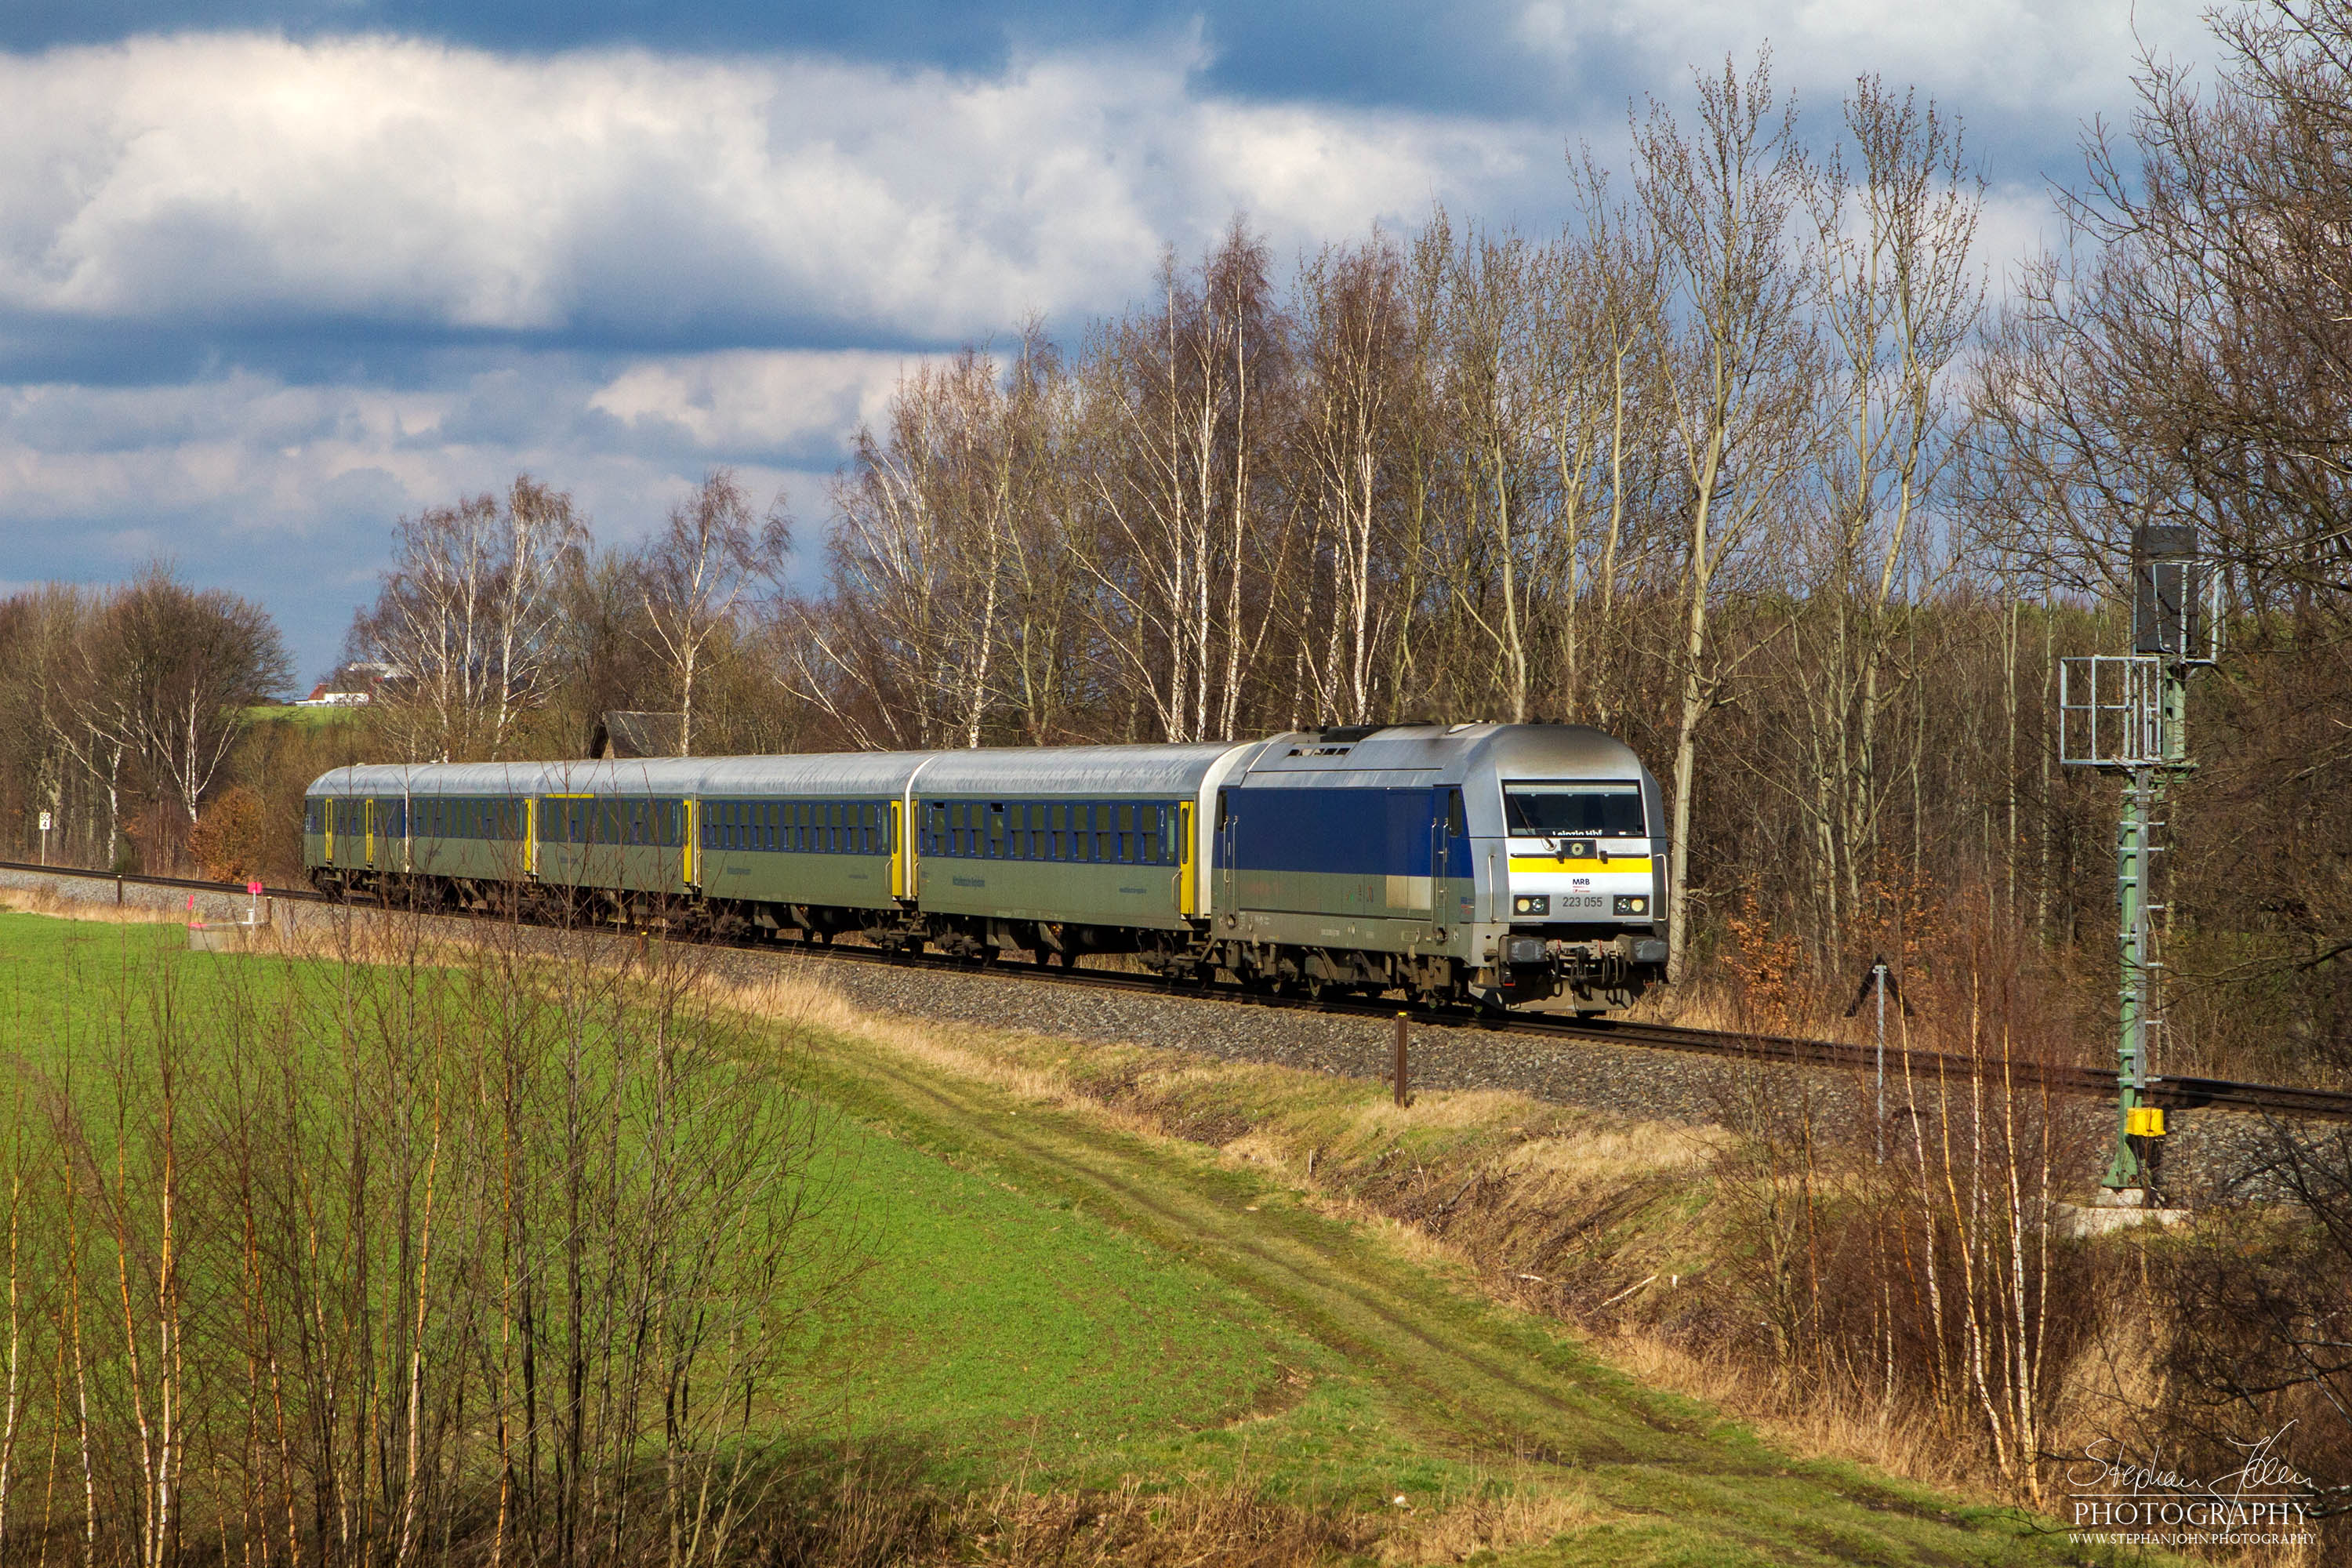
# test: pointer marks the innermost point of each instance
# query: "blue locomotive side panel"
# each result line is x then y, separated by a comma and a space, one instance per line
1341, 849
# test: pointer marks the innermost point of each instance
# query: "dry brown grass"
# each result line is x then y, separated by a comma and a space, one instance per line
1815, 1428
41, 901
866, 1519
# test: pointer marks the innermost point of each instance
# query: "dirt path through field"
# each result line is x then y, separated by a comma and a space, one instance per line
1471, 1378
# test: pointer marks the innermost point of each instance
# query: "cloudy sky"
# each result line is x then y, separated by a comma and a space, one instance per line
273, 272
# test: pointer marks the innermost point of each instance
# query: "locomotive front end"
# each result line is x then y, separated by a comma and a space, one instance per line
1579, 887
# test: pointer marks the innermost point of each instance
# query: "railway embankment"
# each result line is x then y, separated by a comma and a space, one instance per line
2210, 1156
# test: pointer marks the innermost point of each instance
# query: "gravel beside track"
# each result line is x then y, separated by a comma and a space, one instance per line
1630, 1081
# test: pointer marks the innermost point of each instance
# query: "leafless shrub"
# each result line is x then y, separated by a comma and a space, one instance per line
376, 1261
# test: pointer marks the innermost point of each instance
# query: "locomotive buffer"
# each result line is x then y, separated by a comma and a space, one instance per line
2127, 714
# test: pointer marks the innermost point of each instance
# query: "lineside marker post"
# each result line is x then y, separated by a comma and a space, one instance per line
1404, 1074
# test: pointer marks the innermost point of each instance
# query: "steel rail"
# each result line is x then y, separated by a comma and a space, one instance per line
2184, 1093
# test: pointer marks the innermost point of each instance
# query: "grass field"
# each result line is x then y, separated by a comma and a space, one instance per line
1053, 1299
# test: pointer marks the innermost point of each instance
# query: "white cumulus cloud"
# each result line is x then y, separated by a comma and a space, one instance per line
254, 179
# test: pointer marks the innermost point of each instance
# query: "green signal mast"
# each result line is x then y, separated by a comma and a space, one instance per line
2127, 714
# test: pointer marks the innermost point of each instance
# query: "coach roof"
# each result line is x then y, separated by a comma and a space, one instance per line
1073, 769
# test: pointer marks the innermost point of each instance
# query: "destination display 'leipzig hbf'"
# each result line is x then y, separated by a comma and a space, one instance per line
1513, 865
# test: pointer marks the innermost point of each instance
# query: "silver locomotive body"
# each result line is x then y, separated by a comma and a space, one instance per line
1512, 863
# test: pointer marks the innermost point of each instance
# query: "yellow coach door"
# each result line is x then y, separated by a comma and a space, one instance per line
693, 835
367, 816
899, 855
1188, 877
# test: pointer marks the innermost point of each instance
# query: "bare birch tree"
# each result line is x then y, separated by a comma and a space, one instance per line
1356, 330
1897, 299
468, 617
1720, 196
695, 574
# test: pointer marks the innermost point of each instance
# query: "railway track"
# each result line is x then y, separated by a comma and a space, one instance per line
2174, 1093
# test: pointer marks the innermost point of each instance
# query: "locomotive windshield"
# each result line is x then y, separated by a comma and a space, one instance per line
1573, 810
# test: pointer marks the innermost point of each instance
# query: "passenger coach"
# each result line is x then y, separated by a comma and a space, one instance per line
1518, 865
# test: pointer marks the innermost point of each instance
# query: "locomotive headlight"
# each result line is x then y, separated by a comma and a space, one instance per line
1629, 904
1531, 904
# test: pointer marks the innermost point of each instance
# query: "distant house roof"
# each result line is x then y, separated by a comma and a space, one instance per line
351, 686
623, 734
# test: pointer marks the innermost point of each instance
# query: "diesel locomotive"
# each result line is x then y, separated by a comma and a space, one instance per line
1514, 866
